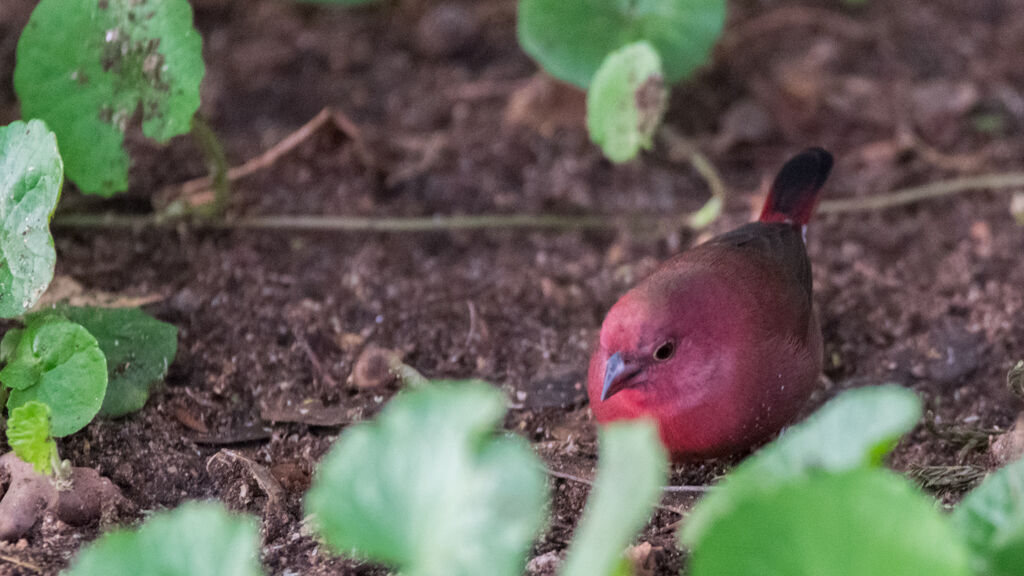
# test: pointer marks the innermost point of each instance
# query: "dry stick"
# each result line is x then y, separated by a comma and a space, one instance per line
580, 480
196, 189
21, 563
669, 489
790, 17
318, 366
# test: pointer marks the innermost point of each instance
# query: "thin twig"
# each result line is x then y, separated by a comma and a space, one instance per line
567, 476
794, 16
318, 366
21, 563
917, 194
687, 489
667, 489
195, 192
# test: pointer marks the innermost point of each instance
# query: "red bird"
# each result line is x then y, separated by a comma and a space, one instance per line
720, 345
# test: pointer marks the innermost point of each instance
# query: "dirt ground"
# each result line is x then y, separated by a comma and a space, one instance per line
929, 295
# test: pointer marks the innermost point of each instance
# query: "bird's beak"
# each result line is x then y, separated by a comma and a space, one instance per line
617, 375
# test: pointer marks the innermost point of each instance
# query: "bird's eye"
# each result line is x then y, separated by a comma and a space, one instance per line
665, 351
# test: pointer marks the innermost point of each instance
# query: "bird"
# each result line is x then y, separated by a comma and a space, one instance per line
721, 345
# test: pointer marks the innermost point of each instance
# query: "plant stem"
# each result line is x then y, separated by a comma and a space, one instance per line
358, 224
916, 194
559, 222
61, 471
681, 149
407, 375
216, 162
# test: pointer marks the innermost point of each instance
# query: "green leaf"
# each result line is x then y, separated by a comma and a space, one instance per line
626, 101
28, 433
87, 66
991, 520
9, 344
855, 430
138, 348
570, 38
60, 364
195, 539
31, 175
429, 488
629, 477
863, 522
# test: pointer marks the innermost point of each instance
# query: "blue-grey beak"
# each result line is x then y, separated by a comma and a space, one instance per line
616, 375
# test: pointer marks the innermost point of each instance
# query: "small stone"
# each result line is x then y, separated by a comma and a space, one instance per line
1010, 446
373, 368
446, 30
953, 353
642, 557
1017, 207
544, 564
186, 301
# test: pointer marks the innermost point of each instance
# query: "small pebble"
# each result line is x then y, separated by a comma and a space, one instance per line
446, 30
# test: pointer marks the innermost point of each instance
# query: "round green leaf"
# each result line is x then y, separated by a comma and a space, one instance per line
429, 488
626, 101
28, 433
87, 66
854, 430
195, 539
991, 521
60, 364
138, 348
860, 523
31, 175
9, 343
633, 463
570, 38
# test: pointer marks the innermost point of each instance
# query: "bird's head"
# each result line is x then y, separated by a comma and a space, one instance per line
660, 345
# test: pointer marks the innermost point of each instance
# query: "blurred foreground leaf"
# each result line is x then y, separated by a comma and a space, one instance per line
863, 522
854, 430
430, 488
631, 469
991, 521
195, 539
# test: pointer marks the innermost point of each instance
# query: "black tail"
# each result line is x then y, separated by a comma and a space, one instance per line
795, 190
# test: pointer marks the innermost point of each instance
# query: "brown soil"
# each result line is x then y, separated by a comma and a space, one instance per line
930, 295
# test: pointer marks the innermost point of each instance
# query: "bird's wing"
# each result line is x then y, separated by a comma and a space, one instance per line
780, 243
